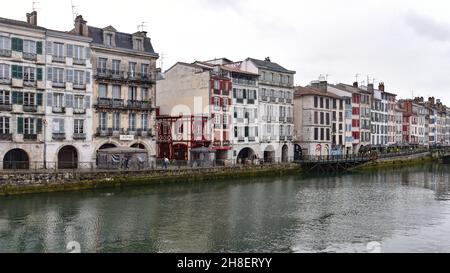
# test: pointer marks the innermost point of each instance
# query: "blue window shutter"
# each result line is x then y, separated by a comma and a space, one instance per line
69, 101
39, 99
20, 98
49, 100
87, 102
20, 126
88, 77
39, 125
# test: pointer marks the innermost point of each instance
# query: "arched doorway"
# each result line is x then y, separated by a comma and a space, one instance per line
164, 150
245, 155
298, 153
180, 152
16, 159
285, 154
269, 154
107, 146
68, 158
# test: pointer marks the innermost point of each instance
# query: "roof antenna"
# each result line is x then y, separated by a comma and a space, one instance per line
74, 14
34, 5
142, 26
357, 76
162, 57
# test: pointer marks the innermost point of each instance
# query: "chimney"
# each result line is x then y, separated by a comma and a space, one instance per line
32, 18
81, 27
267, 59
370, 87
431, 100
323, 86
381, 86
355, 84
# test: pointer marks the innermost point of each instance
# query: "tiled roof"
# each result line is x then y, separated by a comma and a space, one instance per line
19, 23
270, 66
309, 91
123, 40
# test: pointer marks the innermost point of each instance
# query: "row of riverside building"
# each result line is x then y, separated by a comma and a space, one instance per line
67, 96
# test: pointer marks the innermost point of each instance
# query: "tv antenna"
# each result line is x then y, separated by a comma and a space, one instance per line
34, 5
141, 26
357, 76
74, 14
162, 57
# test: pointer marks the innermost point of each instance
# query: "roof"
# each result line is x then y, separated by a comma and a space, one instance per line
123, 40
350, 88
309, 91
20, 23
270, 66
237, 70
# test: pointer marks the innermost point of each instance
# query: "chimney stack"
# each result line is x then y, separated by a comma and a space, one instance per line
431, 100
32, 18
381, 86
370, 87
355, 84
81, 27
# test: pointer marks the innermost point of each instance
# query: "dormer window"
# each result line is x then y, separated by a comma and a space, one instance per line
138, 44
109, 39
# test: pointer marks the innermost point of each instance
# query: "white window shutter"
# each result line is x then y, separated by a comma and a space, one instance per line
49, 74
69, 75
49, 48
88, 77
88, 53
69, 51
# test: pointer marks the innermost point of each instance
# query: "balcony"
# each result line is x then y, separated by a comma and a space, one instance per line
226, 126
281, 100
59, 136
290, 138
29, 83
30, 137
104, 103
29, 56
217, 143
30, 108
5, 81
250, 101
216, 92
264, 98
290, 120
104, 132
139, 77
226, 143
59, 59
79, 86
79, 136
17, 83
5, 137
252, 139
79, 111
240, 100
282, 119
118, 103
134, 104
58, 110
79, 61
59, 84
289, 101
132, 132
217, 126
5, 53
272, 99
6, 107
241, 139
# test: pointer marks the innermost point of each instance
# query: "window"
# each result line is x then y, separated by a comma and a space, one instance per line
109, 39
17, 72
102, 91
5, 97
78, 53
78, 77
4, 125
327, 103
144, 69
102, 62
58, 75
225, 119
17, 44
78, 102
322, 134
322, 118
29, 126
132, 69
115, 67
58, 50
144, 120
180, 127
139, 45
216, 85
116, 122
217, 119
216, 103
132, 122
78, 126
5, 43
132, 93
58, 100
144, 94
29, 47
103, 121
116, 92
29, 99
321, 102
4, 71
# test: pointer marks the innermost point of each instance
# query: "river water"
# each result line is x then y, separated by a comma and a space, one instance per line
404, 210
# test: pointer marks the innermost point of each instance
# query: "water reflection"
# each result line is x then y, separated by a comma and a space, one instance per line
290, 214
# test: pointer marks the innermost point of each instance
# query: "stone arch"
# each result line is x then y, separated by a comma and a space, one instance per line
246, 154
298, 152
269, 154
16, 159
285, 154
67, 157
180, 152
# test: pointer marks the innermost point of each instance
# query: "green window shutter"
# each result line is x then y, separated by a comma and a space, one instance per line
39, 48
14, 71
14, 44
39, 99
20, 98
39, 74
20, 72
14, 97
39, 125
20, 126
20, 44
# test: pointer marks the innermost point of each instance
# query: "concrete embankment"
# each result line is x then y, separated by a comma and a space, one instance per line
16, 183
397, 162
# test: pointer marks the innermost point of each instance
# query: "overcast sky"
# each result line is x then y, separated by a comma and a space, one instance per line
405, 44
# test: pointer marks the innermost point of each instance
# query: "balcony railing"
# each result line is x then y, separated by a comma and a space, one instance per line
29, 83
290, 120
58, 110
79, 136
217, 143
5, 81
30, 108
5, 137
6, 107
79, 61
59, 59
5, 53
251, 138
79, 86
29, 56
117, 103
104, 103
134, 104
59, 84
104, 132
30, 137
226, 143
59, 136
79, 111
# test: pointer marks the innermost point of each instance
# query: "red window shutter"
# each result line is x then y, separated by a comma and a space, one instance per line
229, 102
212, 101
212, 84
221, 102
230, 86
